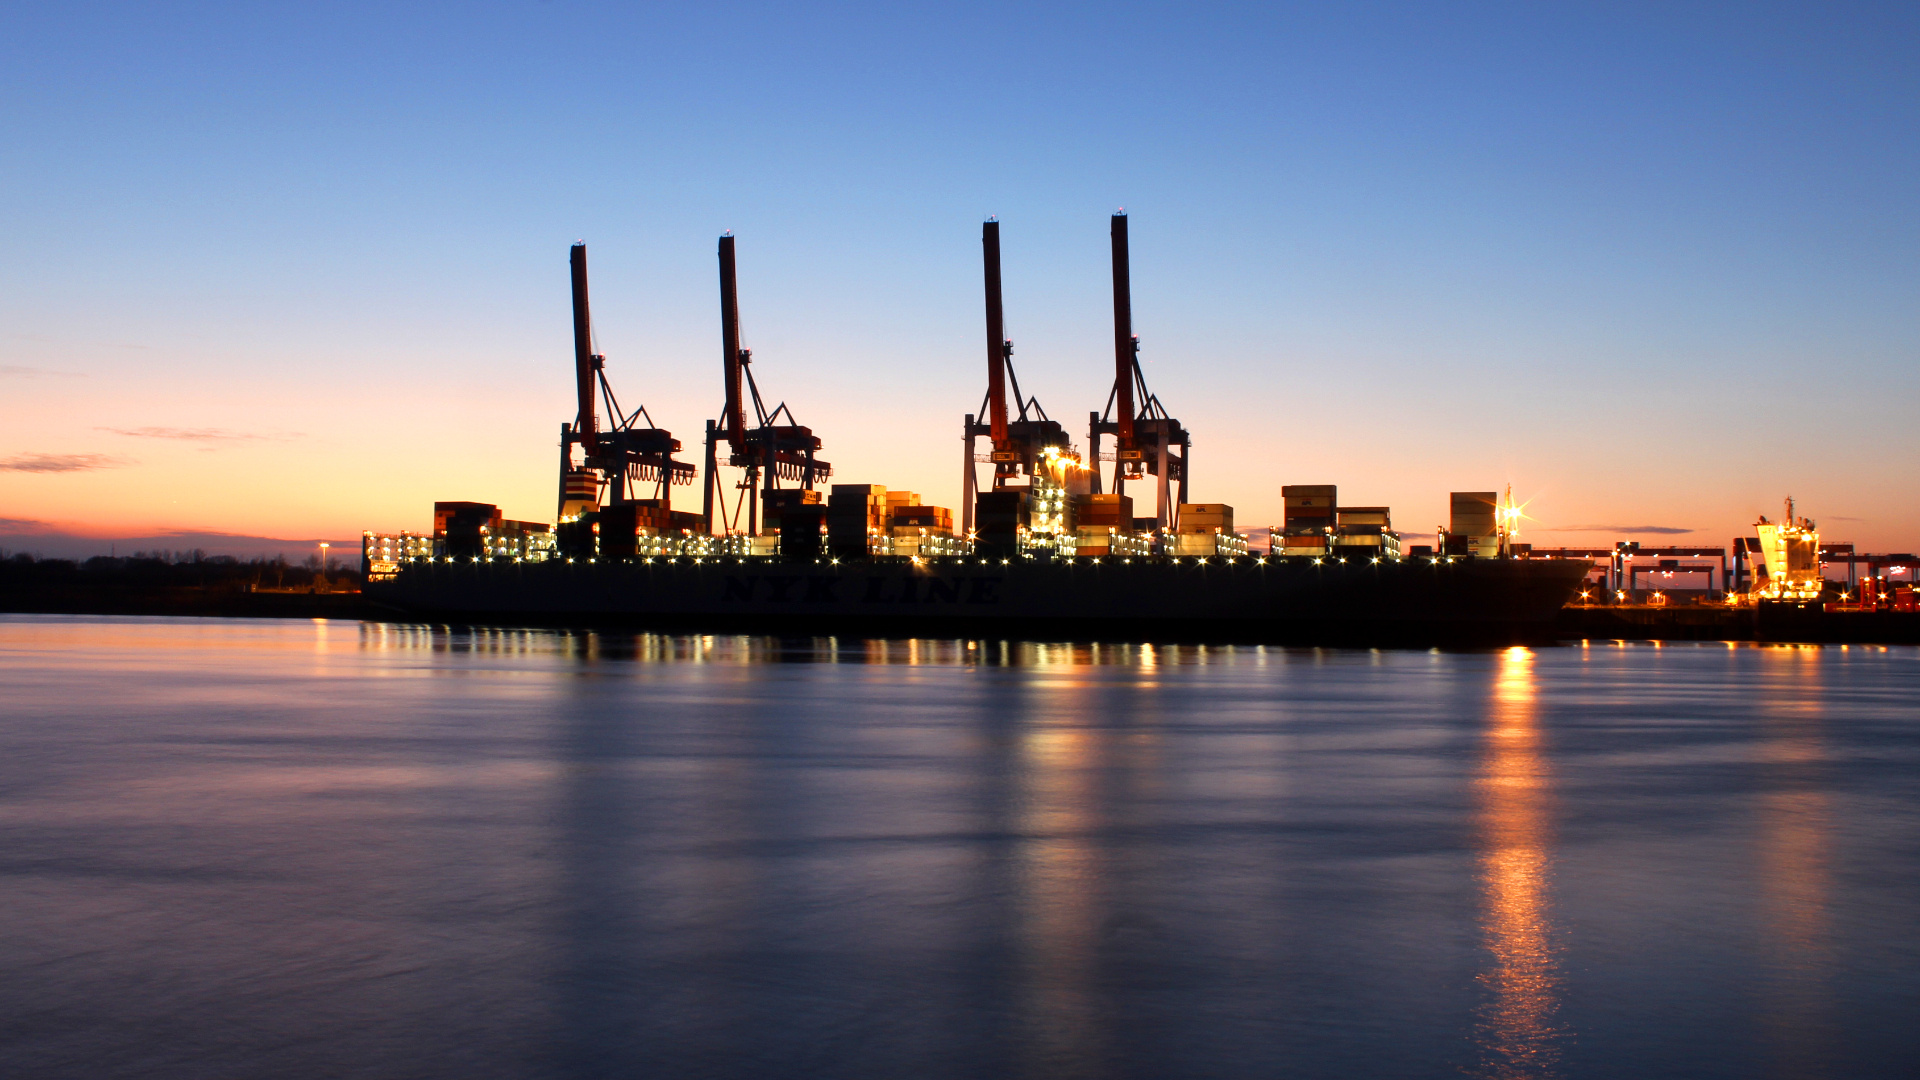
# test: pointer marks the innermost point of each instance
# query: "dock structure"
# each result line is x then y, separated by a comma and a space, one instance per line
1049, 535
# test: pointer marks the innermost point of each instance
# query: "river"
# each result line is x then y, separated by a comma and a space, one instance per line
246, 848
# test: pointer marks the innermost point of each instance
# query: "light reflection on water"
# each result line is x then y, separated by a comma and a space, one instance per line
1515, 1029
1794, 875
753, 649
321, 849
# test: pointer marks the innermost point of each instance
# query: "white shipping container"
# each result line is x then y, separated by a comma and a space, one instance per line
1195, 543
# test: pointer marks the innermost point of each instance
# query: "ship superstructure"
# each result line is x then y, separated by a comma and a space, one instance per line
1785, 564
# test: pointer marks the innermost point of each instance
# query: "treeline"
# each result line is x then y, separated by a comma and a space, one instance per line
174, 569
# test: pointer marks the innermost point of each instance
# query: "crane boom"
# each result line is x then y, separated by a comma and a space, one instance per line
996, 337
734, 422
1123, 348
583, 369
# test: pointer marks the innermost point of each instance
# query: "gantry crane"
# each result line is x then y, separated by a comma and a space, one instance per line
620, 461
1146, 436
1020, 446
770, 451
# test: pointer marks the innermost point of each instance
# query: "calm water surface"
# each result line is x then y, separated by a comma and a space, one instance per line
327, 849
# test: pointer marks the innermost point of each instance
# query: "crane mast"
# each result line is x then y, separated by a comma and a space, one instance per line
619, 462
767, 452
998, 347
1028, 449
585, 363
1149, 441
1126, 347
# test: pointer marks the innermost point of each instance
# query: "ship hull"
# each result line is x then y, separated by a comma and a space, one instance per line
1467, 601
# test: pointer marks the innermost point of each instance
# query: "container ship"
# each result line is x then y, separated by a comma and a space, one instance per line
1047, 540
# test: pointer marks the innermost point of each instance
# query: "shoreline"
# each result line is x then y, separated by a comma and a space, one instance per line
1573, 624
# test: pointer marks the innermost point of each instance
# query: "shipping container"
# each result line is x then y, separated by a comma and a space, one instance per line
1473, 513
857, 492
1103, 509
790, 497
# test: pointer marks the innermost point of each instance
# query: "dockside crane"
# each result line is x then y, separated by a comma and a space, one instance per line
1146, 436
770, 451
627, 458
1020, 447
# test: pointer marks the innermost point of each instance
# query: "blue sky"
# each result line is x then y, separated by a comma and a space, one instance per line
299, 270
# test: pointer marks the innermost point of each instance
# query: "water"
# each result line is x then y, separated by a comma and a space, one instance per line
323, 849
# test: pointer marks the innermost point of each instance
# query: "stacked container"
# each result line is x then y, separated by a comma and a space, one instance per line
1366, 532
1207, 529
800, 531
1202, 518
913, 520
856, 518
460, 528
775, 504
623, 524
1001, 517
1209, 543
1473, 524
1310, 517
382, 553
1099, 520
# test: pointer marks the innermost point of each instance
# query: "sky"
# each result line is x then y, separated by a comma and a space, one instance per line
299, 270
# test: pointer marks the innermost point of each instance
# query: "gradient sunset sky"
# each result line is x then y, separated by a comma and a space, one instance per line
299, 270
